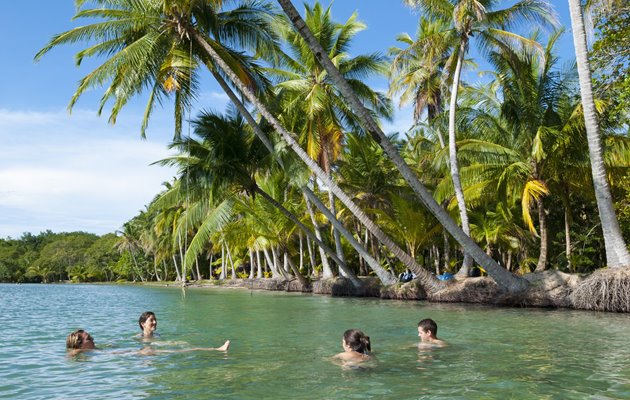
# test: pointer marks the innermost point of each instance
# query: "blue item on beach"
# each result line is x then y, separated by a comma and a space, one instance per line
445, 276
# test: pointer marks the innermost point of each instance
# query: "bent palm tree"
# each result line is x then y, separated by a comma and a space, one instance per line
306, 89
503, 278
228, 155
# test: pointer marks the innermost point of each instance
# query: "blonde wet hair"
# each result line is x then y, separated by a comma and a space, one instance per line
75, 339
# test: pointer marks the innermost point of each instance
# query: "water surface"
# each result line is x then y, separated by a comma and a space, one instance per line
282, 343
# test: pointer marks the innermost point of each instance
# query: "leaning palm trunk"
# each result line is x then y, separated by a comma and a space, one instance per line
504, 278
296, 271
452, 156
353, 208
317, 239
353, 278
386, 277
326, 271
617, 254
333, 210
176, 267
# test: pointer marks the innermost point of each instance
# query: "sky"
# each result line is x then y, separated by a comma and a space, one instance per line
76, 172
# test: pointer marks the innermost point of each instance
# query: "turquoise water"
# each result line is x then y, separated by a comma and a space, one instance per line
281, 344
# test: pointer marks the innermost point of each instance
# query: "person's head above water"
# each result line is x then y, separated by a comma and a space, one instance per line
355, 340
428, 327
80, 340
148, 323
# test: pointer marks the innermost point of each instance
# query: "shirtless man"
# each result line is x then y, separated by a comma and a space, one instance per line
427, 331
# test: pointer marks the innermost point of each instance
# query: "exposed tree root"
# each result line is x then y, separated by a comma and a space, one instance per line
468, 290
604, 290
404, 291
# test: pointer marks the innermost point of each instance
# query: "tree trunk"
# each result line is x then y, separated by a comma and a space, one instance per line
301, 239
197, 268
361, 216
270, 264
157, 276
355, 281
229, 254
452, 156
338, 248
296, 272
276, 262
447, 251
326, 271
504, 278
567, 236
223, 263
258, 266
544, 242
182, 259
251, 264
179, 278
382, 274
436, 259
311, 256
617, 254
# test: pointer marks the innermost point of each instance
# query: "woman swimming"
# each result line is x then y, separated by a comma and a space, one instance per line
148, 324
356, 346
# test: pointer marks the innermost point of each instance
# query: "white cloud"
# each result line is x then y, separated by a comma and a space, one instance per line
213, 101
76, 172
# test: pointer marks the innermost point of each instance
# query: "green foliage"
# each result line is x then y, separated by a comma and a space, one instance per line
610, 60
48, 257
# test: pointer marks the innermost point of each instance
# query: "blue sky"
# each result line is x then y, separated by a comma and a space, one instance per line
77, 172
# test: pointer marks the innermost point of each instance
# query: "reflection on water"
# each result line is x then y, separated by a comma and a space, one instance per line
282, 346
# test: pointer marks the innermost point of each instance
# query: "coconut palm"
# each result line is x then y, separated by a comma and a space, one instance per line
476, 18
304, 88
617, 254
227, 154
417, 70
146, 50
501, 276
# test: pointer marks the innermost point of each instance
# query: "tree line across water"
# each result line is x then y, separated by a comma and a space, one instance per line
297, 179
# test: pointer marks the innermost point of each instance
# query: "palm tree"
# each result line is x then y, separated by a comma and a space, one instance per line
228, 155
127, 32
305, 89
475, 18
417, 71
501, 276
146, 49
617, 254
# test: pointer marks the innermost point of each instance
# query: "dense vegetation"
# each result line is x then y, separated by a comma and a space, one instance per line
296, 180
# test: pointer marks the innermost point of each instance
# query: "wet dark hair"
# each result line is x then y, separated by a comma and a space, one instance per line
143, 318
428, 325
357, 341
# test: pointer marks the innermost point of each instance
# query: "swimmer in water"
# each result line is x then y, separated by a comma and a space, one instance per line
356, 346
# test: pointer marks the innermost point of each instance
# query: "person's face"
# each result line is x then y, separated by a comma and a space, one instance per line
87, 341
345, 345
424, 335
150, 325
